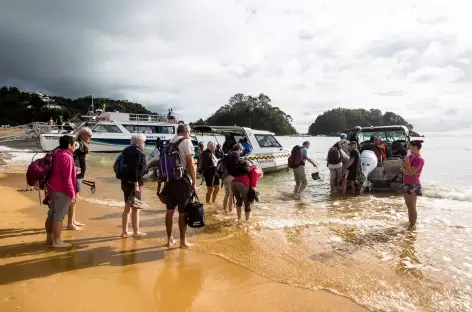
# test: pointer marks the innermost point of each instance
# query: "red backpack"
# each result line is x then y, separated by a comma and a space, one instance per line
39, 170
295, 158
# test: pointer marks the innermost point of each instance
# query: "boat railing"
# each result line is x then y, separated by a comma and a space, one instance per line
154, 118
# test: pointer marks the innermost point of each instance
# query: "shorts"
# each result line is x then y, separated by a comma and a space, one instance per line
212, 180
412, 189
350, 175
128, 191
240, 191
227, 185
178, 195
58, 204
78, 185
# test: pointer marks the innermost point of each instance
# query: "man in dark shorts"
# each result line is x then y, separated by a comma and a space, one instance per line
134, 166
353, 167
179, 191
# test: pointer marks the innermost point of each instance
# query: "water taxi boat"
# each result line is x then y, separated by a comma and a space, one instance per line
266, 152
112, 131
382, 174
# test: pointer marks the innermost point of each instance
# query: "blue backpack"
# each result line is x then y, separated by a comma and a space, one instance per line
171, 163
118, 166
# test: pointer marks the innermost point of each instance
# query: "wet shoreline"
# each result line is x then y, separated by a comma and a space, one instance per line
140, 272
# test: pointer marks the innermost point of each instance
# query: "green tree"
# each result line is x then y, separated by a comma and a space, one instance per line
254, 112
335, 121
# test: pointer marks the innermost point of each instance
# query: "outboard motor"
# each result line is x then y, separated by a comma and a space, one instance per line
369, 163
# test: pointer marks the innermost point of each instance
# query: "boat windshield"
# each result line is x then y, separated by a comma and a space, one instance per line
387, 136
267, 140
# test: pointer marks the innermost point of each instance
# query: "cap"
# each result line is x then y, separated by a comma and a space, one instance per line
343, 136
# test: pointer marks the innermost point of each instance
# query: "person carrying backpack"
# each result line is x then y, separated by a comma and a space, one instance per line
61, 192
179, 172
335, 158
83, 139
134, 168
296, 161
242, 186
208, 165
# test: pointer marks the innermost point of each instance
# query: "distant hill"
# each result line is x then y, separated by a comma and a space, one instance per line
18, 107
334, 121
253, 112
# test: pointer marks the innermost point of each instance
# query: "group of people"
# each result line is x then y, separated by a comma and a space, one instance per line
343, 161
229, 171
238, 177
345, 169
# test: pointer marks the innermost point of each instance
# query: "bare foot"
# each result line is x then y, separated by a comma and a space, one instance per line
124, 234
74, 227
61, 244
139, 234
48, 242
170, 242
77, 223
185, 244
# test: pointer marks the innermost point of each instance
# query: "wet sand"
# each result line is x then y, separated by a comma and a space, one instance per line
103, 272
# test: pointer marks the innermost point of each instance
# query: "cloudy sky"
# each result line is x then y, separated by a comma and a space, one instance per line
410, 57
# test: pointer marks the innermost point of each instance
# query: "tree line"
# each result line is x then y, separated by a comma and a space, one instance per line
253, 112
17, 108
335, 121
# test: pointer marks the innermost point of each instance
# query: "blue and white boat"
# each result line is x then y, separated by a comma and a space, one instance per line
112, 131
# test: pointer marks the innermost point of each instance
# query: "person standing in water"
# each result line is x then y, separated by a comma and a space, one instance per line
299, 173
61, 193
83, 140
240, 188
134, 167
353, 167
208, 169
180, 191
411, 188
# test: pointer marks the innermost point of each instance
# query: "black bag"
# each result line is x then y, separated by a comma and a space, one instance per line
194, 213
162, 192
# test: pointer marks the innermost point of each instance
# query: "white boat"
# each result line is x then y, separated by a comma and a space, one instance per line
266, 151
383, 174
112, 131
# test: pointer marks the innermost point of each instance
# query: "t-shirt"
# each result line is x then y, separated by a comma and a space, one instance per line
304, 154
355, 155
416, 162
185, 149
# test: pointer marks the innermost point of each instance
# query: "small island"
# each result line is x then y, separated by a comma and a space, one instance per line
335, 121
253, 112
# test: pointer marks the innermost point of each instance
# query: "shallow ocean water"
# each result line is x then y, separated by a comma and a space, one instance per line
358, 247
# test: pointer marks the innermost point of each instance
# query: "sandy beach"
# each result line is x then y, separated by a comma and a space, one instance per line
102, 272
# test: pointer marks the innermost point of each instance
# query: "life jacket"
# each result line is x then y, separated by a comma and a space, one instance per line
381, 151
39, 170
334, 156
295, 158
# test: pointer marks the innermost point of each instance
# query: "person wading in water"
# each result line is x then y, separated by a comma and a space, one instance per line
411, 188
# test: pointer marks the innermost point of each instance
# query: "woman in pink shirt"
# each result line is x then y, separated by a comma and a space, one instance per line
411, 188
61, 190
240, 188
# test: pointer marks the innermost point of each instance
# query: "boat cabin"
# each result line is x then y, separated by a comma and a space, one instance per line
265, 151
394, 138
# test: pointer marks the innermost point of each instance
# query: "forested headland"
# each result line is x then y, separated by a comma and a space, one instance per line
335, 121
